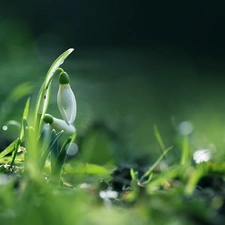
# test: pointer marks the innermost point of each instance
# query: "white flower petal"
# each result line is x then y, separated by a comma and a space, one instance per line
67, 103
59, 124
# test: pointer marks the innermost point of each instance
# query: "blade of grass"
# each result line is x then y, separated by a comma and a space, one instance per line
149, 171
171, 173
62, 154
49, 148
185, 151
56, 172
10, 148
25, 115
134, 175
159, 138
196, 174
54, 150
147, 181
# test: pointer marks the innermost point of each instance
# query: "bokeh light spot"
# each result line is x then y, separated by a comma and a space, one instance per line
71, 149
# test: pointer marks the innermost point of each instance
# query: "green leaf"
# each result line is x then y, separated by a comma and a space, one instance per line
59, 61
48, 146
185, 151
134, 175
196, 174
20, 91
15, 95
10, 148
159, 138
54, 149
148, 180
62, 153
25, 115
7, 160
17, 145
45, 139
149, 171
171, 173
214, 167
44, 93
60, 160
90, 169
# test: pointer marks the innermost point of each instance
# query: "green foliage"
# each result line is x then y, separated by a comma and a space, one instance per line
150, 170
88, 169
38, 141
40, 182
10, 148
159, 138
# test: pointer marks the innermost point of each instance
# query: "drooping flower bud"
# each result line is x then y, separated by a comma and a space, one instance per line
66, 99
59, 124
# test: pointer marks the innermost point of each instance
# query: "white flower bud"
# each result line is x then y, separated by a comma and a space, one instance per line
66, 99
59, 124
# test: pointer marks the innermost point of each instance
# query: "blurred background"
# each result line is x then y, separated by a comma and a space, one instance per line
135, 64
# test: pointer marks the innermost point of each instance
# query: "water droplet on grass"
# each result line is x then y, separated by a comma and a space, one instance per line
185, 128
5, 127
71, 149
11, 123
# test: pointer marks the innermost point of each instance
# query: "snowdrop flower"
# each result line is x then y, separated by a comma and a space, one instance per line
59, 124
66, 99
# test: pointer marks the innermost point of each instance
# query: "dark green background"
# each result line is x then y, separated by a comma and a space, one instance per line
192, 26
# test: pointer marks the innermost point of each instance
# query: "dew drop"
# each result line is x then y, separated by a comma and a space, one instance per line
5, 128
71, 149
185, 128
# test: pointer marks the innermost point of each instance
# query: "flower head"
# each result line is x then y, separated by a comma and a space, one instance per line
59, 124
66, 99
